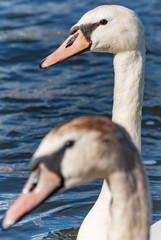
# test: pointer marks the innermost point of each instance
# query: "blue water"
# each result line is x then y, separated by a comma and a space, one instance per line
34, 101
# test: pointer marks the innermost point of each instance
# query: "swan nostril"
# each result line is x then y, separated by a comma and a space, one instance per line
72, 40
35, 181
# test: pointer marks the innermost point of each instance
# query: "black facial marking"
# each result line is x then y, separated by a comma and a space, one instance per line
72, 40
74, 30
52, 161
87, 29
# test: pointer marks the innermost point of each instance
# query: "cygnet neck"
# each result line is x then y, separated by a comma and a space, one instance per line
130, 203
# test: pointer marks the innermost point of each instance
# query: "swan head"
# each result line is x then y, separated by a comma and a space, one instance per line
76, 152
108, 28
111, 29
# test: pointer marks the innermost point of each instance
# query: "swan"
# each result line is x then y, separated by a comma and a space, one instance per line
82, 150
117, 30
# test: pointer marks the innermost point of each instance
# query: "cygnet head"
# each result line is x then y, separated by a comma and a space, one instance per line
76, 152
108, 28
85, 148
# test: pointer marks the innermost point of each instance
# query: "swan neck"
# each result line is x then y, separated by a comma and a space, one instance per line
130, 202
128, 92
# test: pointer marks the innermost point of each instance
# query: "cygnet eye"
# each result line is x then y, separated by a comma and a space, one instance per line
103, 22
69, 143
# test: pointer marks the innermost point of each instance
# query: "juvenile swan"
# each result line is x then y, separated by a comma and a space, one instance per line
82, 150
117, 30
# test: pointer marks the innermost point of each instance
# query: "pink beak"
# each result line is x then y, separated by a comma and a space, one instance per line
39, 186
73, 45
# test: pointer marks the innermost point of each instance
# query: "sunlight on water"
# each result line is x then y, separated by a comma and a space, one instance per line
69, 234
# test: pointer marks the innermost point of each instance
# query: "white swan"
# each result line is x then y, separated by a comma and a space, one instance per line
116, 30
79, 151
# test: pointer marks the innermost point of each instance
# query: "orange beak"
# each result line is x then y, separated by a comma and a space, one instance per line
74, 44
40, 185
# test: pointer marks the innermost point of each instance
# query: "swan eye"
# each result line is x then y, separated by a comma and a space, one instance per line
69, 144
103, 22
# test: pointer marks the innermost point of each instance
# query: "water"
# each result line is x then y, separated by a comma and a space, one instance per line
34, 101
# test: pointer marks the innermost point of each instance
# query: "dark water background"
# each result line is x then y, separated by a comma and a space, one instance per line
32, 102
